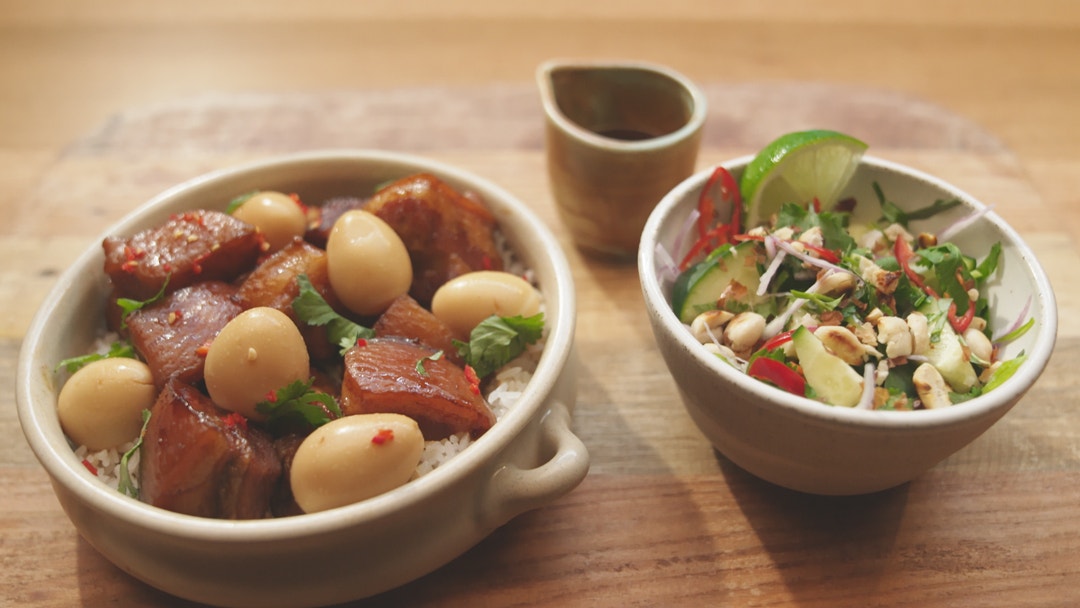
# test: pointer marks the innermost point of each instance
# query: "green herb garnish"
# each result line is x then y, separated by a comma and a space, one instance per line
235, 203
117, 349
298, 402
125, 485
893, 214
432, 357
311, 308
128, 306
498, 340
1003, 372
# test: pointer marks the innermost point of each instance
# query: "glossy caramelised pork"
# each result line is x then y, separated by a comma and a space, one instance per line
196, 246
402, 377
447, 234
171, 334
407, 319
274, 284
199, 459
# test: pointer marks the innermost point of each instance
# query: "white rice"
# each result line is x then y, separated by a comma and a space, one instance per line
107, 463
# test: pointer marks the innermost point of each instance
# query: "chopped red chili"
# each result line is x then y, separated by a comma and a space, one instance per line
778, 340
777, 374
960, 324
90, 467
710, 237
383, 436
904, 253
826, 254
474, 380
235, 419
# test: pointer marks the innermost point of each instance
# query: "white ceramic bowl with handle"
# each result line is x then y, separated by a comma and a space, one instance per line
526, 460
808, 446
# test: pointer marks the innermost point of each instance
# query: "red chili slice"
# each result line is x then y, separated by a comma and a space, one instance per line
778, 374
826, 254
711, 238
960, 324
778, 340
904, 253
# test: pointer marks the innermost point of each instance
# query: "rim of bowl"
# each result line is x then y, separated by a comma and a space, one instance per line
59, 460
769, 396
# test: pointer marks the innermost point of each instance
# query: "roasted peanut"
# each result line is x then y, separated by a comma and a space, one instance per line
843, 343
708, 326
894, 334
979, 344
743, 331
836, 282
920, 333
931, 387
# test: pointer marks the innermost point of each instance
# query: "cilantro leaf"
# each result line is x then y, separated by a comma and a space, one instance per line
126, 485
989, 264
235, 203
311, 308
117, 349
950, 268
498, 340
833, 225
891, 213
128, 306
298, 402
435, 356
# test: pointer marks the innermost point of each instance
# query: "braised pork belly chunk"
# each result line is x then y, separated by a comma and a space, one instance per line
402, 377
447, 233
195, 246
406, 318
274, 284
169, 334
199, 459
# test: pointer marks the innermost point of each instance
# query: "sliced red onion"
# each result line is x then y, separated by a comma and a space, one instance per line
1015, 324
866, 400
951, 230
687, 227
809, 259
667, 270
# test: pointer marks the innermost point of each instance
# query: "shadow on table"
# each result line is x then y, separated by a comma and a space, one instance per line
818, 541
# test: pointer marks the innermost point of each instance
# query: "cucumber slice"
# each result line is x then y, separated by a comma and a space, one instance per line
699, 287
948, 356
833, 380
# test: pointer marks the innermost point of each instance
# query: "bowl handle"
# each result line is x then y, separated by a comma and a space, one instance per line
514, 490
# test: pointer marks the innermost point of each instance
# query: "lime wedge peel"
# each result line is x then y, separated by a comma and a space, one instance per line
798, 167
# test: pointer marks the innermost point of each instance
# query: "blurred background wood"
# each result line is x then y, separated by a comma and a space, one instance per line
104, 104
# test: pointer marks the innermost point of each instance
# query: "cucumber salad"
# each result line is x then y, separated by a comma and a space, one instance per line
871, 316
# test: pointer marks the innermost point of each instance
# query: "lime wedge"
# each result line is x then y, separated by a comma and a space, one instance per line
796, 168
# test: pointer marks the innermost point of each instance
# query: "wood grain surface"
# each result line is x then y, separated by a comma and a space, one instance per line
103, 105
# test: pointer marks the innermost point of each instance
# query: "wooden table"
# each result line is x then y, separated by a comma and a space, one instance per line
104, 104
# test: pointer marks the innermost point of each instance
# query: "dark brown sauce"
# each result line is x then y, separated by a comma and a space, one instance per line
625, 134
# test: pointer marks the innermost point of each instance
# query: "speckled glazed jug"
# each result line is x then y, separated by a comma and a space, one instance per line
619, 135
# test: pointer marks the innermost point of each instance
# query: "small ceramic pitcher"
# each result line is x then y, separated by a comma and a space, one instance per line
619, 136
